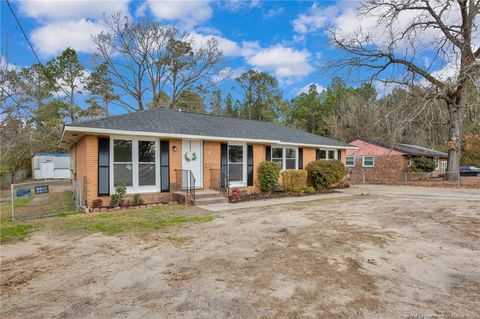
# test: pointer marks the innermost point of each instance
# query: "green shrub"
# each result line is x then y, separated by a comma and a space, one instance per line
137, 200
294, 181
268, 174
423, 164
325, 173
117, 197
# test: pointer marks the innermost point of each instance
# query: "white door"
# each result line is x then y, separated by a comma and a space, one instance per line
444, 167
47, 170
192, 160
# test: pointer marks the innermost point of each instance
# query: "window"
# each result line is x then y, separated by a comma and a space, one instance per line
277, 155
332, 155
122, 163
327, 154
136, 163
146, 163
436, 161
322, 154
350, 161
368, 161
290, 158
286, 156
235, 163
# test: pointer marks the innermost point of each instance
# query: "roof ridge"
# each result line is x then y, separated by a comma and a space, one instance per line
112, 116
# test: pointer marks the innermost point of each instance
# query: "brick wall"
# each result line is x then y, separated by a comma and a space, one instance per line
211, 160
175, 159
309, 155
86, 155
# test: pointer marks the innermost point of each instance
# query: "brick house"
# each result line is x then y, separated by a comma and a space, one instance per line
381, 160
156, 152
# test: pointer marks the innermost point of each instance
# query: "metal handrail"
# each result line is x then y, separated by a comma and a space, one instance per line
223, 177
190, 187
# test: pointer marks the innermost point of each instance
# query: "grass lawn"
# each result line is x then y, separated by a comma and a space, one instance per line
60, 203
110, 223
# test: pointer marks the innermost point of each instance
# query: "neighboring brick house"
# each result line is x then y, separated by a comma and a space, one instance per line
383, 161
155, 152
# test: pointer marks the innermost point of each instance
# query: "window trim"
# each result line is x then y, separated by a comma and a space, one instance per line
284, 155
373, 161
136, 188
354, 160
244, 164
326, 153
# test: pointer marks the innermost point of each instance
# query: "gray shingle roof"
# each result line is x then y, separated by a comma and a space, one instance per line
168, 121
418, 150
408, 149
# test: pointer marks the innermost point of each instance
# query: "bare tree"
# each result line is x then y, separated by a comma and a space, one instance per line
404, 32
149, 62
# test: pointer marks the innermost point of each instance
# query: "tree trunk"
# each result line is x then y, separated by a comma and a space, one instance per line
454, 142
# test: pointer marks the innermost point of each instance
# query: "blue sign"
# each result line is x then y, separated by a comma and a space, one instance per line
41, 189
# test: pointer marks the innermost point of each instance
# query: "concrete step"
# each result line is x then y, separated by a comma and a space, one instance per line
208, 201
207, 194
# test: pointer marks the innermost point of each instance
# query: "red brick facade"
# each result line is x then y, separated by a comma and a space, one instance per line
389, 164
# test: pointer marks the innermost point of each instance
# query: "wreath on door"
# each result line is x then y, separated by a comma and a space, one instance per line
188, 159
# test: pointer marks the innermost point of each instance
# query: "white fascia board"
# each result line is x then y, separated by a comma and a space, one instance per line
319, 146
191, 137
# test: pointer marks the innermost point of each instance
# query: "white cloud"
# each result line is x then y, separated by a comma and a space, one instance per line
187, 13
314, 19
70, 9
305, 89
54, 37
283, 62
274, 12
68, 23
236, 5
229, 48
228, 74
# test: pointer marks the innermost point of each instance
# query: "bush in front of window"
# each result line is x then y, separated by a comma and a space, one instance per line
423, 164
324, 174
117, 197
294, 181
137, 200
268, 175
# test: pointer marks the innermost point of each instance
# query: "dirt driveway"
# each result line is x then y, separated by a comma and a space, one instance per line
357, 256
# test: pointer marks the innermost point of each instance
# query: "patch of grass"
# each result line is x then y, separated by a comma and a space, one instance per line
110, 223
22, 201
11, 231
130, 221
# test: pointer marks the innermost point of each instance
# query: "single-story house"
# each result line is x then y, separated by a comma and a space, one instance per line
383, 159
51, 165
153, 152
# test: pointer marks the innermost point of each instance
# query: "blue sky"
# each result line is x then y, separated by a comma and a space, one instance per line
284, 38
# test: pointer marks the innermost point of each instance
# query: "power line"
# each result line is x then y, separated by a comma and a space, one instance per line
47, 75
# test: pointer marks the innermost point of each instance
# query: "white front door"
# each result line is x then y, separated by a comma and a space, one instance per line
192, 160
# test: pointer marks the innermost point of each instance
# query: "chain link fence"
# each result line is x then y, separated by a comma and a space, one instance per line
413, 179
44, 198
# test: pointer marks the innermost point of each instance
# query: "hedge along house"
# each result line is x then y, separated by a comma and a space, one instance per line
388, 161
156, 152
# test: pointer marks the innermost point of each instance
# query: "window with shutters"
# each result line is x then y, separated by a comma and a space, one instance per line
136, 164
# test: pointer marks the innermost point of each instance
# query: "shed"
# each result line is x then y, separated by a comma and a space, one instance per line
51, 165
